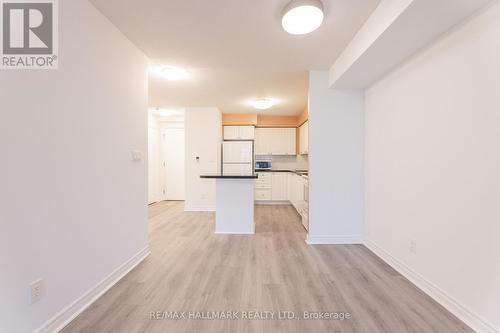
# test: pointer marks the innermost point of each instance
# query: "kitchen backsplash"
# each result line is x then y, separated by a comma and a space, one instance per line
287, 162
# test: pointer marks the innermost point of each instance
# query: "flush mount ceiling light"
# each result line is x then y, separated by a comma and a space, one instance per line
262, 103
302, 16
174, 73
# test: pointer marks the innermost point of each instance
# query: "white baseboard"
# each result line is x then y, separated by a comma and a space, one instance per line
271, 202
199, 208
335, 240
64, 317
472, 319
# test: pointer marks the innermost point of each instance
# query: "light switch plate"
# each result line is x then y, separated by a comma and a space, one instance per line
136, 155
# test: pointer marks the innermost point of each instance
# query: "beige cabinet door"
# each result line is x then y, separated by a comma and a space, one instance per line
239, 132
231, 132
246, 132
269, 141
293, 189
275, 141
279, 144
304, 138
261, 142
279, 186
291, 135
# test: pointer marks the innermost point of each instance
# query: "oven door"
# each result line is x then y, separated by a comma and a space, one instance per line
306, 192
305, 217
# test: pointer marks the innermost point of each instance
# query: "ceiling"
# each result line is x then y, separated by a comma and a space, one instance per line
235, 50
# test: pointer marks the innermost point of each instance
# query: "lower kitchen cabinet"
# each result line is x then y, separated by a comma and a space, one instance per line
279, 186
263, 194
296, 190
271, 186
263, 186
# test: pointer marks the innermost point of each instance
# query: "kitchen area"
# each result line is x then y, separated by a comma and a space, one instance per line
283, 186
264, 155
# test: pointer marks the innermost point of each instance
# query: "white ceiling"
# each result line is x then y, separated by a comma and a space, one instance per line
236, 50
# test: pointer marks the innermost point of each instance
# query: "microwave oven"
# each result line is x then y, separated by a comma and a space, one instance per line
263, 165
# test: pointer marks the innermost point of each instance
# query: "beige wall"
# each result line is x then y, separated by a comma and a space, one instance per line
229, 119
276, 121
303, 117
236, 119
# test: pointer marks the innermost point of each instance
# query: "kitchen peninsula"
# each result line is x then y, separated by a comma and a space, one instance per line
234, 208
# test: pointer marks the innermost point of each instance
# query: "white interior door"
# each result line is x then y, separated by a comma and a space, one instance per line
173, 158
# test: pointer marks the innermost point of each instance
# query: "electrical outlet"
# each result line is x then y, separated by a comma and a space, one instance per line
37, 290
413, 246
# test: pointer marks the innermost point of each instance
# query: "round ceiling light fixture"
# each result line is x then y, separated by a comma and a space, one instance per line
262, 103
301, 17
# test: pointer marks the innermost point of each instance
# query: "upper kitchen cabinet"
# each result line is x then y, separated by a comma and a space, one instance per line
275, 141
239, 132
304, 138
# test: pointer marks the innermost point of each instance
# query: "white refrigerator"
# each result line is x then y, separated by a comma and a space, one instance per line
237, 158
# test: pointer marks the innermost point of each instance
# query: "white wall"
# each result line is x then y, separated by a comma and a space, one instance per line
72, 201
203, 139
335, 163
154, 160
432, 169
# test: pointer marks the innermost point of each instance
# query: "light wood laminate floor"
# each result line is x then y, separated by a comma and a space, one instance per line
191, 269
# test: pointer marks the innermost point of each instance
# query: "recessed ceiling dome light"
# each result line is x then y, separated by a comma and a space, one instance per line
262, 103
174, 73
302, 16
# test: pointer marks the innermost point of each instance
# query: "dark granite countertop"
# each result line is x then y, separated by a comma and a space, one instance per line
219, 176
255, 176
297, 172
268, 170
